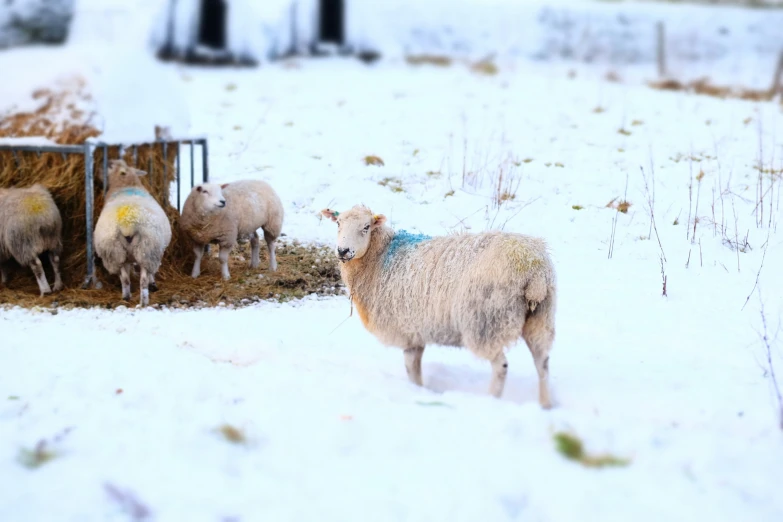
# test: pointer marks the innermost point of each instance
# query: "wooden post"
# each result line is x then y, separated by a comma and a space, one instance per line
661, 32
777, 79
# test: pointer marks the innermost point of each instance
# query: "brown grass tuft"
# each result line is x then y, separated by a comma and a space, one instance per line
429, 59
373, 160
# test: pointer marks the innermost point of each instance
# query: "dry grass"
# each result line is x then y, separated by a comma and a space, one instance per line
428, 59
620, 206
373, 160
302, 270
705, 87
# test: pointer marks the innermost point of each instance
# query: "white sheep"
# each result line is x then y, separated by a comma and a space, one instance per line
30, 224
231, 213
132, 228
481, 291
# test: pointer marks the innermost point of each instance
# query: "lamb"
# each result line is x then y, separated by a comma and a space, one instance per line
231, 213
132, 227
480, 291
30, 224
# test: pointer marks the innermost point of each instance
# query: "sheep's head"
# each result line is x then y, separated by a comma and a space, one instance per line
123, 175
208, 197
354, 228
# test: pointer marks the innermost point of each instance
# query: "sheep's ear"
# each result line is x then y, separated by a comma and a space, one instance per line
198, 188
331, 214
140, 172
224, 185
378, 220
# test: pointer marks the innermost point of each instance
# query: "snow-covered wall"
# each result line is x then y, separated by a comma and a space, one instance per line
34, 21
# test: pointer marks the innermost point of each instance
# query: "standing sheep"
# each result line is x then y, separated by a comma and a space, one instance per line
231, 213
132, 228
30, 224
480, 291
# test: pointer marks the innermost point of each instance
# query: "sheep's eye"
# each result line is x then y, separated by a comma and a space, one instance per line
205, 192
366, 228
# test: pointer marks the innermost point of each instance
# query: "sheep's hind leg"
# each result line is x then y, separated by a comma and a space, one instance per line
539, 336
271, 243
254, 251
125, 279
54, 259
38, 270
413, 364
153, 284
499, 372
144, 286
223, 256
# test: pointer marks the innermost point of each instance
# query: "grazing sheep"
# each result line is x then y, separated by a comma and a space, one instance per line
132, 228
231, 213
480, 291
30, 224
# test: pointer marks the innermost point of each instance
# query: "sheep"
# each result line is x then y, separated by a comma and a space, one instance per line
480, 291
230, 213
132, 227
30, 224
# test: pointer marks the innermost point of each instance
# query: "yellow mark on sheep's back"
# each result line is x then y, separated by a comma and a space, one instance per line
127, 218
34, 204
520, 255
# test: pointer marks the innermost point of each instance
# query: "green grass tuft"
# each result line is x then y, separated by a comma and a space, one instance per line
37, 457
572, 448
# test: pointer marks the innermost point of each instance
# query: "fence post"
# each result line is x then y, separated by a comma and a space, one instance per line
204, 162
89, 194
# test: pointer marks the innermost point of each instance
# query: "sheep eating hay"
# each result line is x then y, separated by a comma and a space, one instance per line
30, 224
229, 213
480, 291
132, 227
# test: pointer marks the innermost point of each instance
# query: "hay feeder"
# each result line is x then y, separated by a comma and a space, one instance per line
69, 172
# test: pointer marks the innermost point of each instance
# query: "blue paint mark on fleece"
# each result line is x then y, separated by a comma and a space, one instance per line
131, 191
402, 239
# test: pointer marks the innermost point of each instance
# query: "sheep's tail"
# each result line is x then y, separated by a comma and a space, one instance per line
536, 291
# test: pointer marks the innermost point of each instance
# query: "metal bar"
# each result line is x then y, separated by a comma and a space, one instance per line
67, 149
120, 152
135, 156
179, 153
166, 169
205, 162
16, 158
192, 166
89, 194
105, 168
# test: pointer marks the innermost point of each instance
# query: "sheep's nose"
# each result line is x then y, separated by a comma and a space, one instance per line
222, 203
342, 251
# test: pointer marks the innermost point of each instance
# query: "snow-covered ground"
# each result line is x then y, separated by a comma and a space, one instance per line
681, 385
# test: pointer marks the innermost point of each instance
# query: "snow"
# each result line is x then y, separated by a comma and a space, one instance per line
32, 141
680, 384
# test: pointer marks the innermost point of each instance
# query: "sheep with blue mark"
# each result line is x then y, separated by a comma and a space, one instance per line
132, 228
30, 225
480, 291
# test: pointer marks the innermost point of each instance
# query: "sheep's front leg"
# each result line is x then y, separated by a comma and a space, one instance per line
125, 279
271, 242
413, 364
199, 251
223, 256
38, 270
499, 372
254, 251
144, 285
54, 259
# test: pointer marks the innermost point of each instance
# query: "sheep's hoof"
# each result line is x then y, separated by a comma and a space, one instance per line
58, 287
126, 298
153, 287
